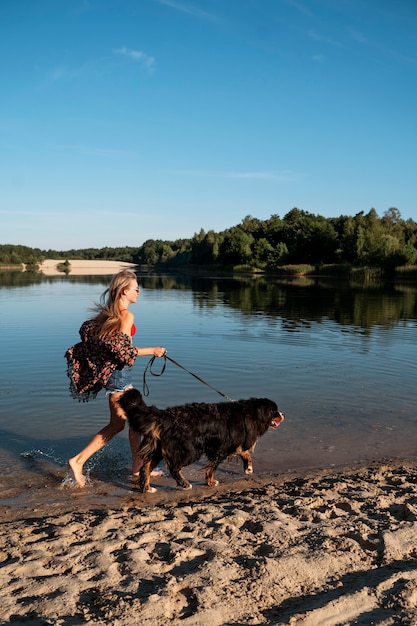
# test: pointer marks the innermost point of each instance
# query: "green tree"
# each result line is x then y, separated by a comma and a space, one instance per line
205, 248
236, 247
278, 255
262, 251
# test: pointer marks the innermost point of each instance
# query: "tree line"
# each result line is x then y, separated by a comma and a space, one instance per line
299, 238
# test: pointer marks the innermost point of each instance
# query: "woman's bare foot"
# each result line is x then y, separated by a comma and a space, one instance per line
77, 470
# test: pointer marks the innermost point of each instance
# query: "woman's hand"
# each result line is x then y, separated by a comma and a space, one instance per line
159, 351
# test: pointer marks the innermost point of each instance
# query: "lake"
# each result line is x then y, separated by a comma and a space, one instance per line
338, 358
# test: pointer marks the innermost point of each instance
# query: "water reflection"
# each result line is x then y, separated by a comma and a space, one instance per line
17, 278
300, 302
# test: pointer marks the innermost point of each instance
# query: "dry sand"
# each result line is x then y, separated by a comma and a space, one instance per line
84, 268
323, 548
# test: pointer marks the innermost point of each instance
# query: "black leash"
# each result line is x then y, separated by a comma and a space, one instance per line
165, 357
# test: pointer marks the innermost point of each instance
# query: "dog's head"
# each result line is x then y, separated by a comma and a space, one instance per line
266, 411
260, 414
270, 407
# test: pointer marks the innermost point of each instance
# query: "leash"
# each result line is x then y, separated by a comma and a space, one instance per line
165, 357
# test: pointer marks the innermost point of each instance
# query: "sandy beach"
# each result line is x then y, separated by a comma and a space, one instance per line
84, 268
326, 547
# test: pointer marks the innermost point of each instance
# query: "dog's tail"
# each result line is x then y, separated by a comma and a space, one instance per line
151, 436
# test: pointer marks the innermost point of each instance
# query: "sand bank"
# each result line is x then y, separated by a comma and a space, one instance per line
79, 268
325, 548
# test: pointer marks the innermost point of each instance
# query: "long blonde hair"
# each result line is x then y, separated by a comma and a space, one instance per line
108, 318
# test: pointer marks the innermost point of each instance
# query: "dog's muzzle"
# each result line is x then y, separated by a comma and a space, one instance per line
276, 421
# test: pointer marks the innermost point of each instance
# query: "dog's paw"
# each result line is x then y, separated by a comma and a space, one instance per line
151, 490
213, 483
249, 470
187, 487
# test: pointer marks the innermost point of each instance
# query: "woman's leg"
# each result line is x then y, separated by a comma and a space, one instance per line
115, 426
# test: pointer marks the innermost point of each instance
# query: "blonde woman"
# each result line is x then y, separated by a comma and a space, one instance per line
103, 360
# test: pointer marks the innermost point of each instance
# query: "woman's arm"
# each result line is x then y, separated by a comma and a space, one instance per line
155, 351
127, 319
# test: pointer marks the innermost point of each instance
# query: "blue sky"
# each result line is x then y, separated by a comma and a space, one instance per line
127, 120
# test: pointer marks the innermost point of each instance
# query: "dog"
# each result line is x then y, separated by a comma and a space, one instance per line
181, 435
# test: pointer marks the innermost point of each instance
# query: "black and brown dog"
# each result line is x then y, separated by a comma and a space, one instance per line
181, 435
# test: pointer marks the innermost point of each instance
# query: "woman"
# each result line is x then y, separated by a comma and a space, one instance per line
104, 359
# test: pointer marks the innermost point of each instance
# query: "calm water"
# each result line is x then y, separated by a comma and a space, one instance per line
339, 360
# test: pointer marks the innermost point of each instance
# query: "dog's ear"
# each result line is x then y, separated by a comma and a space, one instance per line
265, 407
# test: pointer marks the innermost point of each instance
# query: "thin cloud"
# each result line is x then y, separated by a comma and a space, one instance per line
281, 177
63, 72
299, 6
189, 10
91, 151
381, 48
356, 35
323, 39
138, 56
58, 73
81, 7
66, 72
